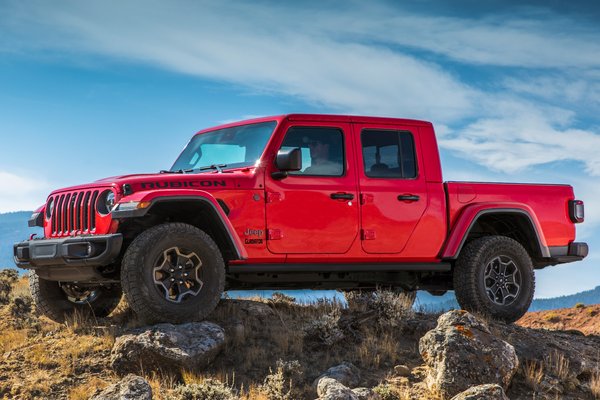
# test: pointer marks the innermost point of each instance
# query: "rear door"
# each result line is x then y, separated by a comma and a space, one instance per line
314, 210
393, 191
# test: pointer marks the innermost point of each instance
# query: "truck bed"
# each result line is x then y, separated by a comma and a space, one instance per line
546, 203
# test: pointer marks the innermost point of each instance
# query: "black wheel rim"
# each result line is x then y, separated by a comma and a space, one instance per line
176, 274
502, 280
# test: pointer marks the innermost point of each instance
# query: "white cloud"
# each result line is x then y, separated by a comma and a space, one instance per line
559, 88
356, 59
517, 135
21, 193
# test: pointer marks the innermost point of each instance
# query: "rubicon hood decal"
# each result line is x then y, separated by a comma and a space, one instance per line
183, 184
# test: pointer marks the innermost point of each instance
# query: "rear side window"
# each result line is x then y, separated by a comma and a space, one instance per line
388, 154
322, 150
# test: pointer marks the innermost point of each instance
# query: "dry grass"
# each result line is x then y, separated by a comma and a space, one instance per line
558, 365
12, 338
70, 360
533, 373
85, 389
595, 385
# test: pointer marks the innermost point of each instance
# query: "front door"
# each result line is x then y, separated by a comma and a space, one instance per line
314, 210
393, 191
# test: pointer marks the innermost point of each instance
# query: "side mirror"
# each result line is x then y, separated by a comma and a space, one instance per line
287, 160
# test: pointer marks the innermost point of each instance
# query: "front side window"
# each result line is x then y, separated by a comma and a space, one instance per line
322, 150
388, 154
239, 146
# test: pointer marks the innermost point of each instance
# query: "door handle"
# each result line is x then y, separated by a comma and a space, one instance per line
342, 196
408, 197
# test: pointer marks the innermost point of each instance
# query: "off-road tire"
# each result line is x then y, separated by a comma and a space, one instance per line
52, 301
137, 279
469, 281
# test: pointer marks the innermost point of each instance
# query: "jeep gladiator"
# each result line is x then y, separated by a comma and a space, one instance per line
297, 201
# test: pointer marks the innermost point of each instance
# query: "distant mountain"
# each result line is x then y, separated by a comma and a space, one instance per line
13, 228
430, 303
587, 297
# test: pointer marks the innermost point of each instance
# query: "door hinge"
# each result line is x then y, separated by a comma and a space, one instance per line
272, 197
368, 234
274, 234
365, 198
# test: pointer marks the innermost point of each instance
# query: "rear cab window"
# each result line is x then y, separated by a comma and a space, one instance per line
388, 154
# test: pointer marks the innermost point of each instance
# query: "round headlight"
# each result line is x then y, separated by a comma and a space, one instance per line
49, 208
106, 202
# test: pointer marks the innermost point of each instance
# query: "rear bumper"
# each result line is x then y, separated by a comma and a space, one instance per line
575, 251
78, 251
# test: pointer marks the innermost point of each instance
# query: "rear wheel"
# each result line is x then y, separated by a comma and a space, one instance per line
173, 272
494, 276
59, 300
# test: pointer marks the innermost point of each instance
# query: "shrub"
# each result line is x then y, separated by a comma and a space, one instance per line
552, 317
8, 278
209, 389
391, 307
279, 385
280, 298
20, 309
325, 329
579, 305
386, 392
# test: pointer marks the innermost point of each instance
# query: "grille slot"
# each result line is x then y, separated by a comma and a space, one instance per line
93, 211
74, 213
65, 214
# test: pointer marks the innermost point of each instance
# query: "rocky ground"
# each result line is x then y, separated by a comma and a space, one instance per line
376, 348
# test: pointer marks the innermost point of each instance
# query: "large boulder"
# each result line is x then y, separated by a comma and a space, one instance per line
346, 373
331, 389
131, 387
461, 352
482, 392
167, 347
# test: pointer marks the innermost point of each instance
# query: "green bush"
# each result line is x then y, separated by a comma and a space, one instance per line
210, 389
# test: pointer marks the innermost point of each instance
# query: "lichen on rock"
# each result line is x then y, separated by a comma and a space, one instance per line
461, 352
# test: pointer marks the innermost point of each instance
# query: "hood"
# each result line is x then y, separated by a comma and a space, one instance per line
207, 180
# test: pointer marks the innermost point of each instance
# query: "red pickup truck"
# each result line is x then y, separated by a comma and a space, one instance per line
297, 201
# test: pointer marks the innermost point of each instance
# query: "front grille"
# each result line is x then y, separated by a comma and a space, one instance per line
74, 212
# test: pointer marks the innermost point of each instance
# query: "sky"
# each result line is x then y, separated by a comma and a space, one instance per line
89, 90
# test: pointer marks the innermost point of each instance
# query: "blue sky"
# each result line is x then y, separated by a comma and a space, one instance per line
513, 88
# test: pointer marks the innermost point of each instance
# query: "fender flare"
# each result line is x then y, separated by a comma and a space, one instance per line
203, 197
469, 216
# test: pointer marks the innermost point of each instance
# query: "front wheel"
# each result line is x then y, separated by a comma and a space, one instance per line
173, 272
494, 276
59, 300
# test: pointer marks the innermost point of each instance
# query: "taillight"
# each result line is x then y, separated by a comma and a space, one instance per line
576, 211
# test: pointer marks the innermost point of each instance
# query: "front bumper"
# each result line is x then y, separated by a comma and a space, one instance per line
68, 258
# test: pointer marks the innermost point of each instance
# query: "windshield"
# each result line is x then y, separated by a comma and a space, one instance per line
239, 146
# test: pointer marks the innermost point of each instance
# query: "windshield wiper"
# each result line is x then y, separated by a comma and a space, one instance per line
179, 171
218, 167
